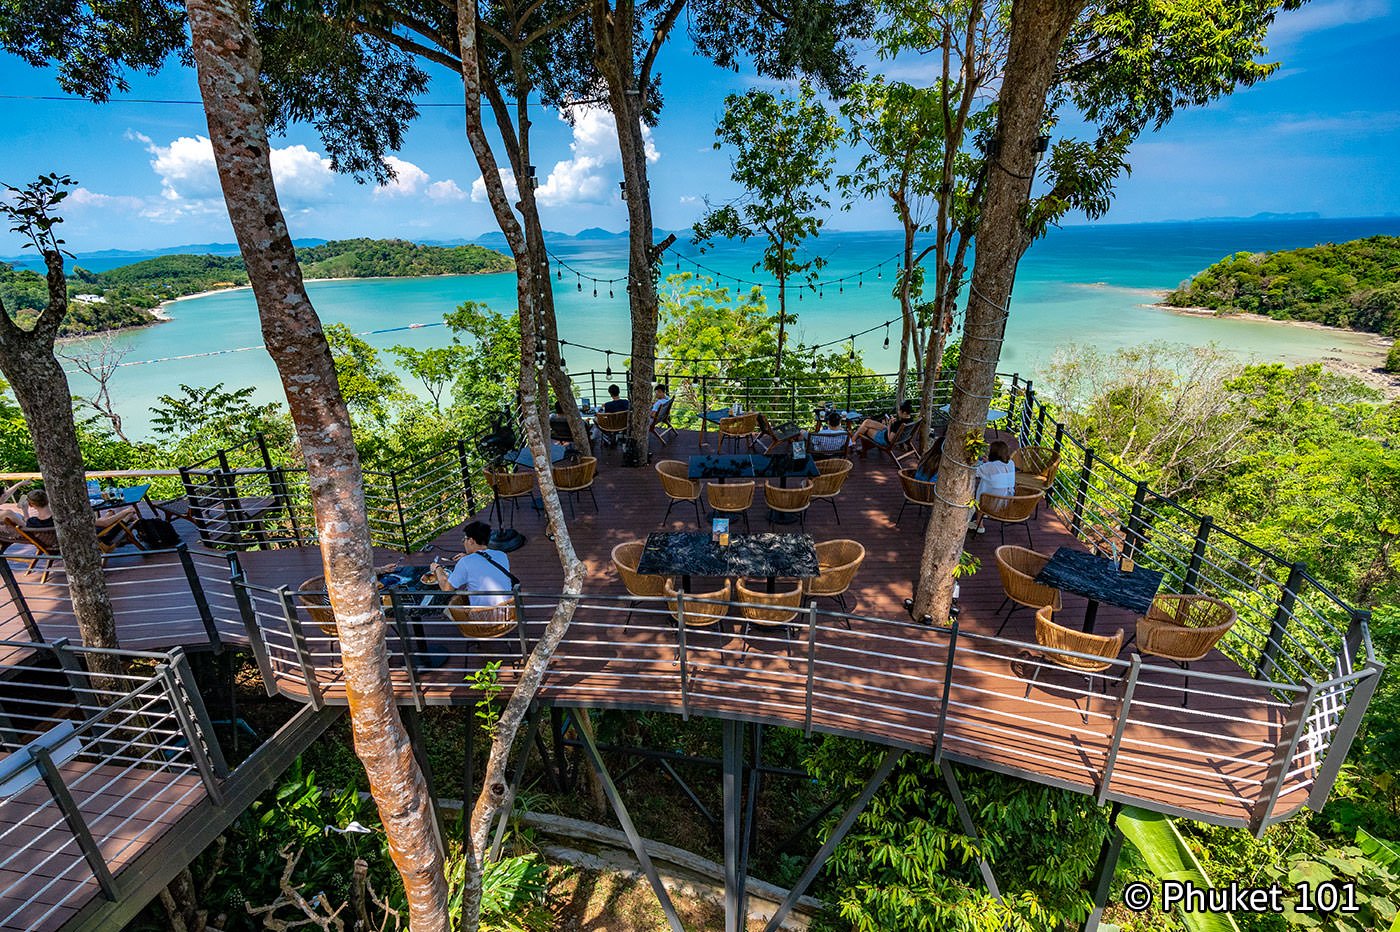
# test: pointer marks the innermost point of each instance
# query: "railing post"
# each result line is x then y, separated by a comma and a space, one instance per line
1059, 436
811, 666
1040, 423
1345, 734
1111, 761
947, 692
184, 676
76, 823
466, 469
201, 601
1278, 628
1023, 436
17, 599
398, 508
1191, 582
1133, 533
680, 656
308, 670
202, 762
704, 405
1294, 725
255, 639
848, 391
277, 479
520, 623
1076, 518
404, 630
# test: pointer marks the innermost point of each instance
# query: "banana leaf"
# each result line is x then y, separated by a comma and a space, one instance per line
1169, 858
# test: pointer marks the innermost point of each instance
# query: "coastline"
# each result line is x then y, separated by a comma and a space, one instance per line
1373, 351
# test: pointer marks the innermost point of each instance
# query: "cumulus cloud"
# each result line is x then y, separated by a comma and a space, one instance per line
408, 179
591, 174
507, 179
445, 191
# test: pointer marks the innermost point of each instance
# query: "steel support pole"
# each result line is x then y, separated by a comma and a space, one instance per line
1104, 869
409, 715
508, 807
848, 821
733, 776
625, 820
984, 867
76, 823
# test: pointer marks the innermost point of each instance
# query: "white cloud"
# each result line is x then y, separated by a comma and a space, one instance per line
444, 191
1317, 17
591, 175
689, 199
190, 181
83, 197
507, 180
408, 179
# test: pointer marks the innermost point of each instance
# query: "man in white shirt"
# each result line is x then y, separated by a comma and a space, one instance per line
480, 570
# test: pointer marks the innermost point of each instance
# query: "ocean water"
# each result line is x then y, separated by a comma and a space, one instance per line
1087, 285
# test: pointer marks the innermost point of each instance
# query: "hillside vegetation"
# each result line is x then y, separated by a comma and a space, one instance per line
127, 296
1354, 285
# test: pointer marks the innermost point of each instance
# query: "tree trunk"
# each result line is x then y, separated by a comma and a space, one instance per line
906, 309
228, 60
33, 371
613, 56
532, 284
1038, 30
782, 323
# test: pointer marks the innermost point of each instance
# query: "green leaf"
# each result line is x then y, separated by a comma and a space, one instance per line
1167, 855
1378, 850
1310, 872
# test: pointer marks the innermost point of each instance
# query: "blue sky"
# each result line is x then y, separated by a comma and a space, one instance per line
1322, 135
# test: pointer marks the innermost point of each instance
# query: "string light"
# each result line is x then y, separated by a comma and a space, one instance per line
608, 371
887, 336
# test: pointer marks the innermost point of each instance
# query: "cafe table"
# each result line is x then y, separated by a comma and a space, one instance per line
1100, 579
721, 466
526, 459
753, 556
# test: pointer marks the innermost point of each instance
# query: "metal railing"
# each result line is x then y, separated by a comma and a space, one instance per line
97, 767
1242, 752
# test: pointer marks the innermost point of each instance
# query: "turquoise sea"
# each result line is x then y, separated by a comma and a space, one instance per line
1085, 284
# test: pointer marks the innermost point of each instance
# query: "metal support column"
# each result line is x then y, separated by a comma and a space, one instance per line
969, 827
733, 777
625, 820
508, 807
420, 754
848, 820
1103, 871
1283, 614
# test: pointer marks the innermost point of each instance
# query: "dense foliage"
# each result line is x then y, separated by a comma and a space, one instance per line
1354, 284
397, 258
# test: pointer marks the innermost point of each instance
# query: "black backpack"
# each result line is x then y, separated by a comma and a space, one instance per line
157, 534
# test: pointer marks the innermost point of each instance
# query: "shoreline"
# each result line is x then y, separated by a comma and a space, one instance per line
1373, 351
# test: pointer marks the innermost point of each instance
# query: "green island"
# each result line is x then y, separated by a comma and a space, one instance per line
1355, 285
127, 296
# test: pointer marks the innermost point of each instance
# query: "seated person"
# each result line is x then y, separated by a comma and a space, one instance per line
831, 439
927, 470
110, 521
615, 400
36, 509
995, 476
882, 433
481, 571
663, 395
559, 423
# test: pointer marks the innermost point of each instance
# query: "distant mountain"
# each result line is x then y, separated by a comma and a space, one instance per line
1262, 216
202, 249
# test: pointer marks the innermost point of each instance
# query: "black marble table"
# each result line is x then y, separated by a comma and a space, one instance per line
758, 556
1099, 579
526, 458
723, 466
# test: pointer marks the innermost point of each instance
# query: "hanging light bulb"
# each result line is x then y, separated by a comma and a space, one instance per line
595, 289
560, 273
887, 335
579, 278
608, 371
860, 280
610, 294
840, 288
880, 272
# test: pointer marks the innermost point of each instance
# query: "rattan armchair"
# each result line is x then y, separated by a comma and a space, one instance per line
741, 427
705, 613
678, 486
481, 621
1018, 568
625, 559
1064, 645
1036, 466
917, 492
576, 479
832, 475
1183, 629
768, 609
1010, 509
730, 498
316, 602
792, 500
610, 424
838, 561
508, 486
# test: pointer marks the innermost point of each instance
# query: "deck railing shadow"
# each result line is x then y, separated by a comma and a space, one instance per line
97, 766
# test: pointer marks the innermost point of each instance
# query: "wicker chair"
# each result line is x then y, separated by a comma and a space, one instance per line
610, 424
827, 485
838, 561
577, 479
698, 614
508, 486
113, 531
316, 602
1018, 568
678, 486
1183, 629
900, 445
1035, 467
917, 492
768, 609
481, 621
625, 559
743, 427
1056, 639
730, 498
1010, 509
793, 500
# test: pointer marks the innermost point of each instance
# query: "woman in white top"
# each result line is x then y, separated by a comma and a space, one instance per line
996, 476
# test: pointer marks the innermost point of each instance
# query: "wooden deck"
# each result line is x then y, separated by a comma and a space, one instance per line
876, 676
